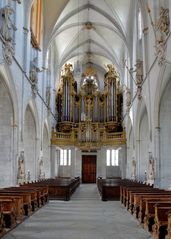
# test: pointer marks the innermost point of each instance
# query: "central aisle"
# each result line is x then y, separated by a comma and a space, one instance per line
84, 217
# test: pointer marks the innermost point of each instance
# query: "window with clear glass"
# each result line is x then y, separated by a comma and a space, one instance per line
65, 157
112, 157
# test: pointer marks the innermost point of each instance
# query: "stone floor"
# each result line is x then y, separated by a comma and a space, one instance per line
85, 216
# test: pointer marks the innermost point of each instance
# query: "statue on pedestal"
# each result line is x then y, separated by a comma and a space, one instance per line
21, 168
41, 169
34, 74
150, 169
133, 174
28, 176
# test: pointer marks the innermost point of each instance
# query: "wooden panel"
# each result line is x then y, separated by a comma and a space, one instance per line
89, 168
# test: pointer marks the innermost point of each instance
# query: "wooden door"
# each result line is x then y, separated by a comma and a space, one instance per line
88, 168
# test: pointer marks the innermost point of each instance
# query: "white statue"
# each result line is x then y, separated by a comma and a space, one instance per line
28, 176
7, 26
133, 175
8, 52
21, 168
41, 171
150, 169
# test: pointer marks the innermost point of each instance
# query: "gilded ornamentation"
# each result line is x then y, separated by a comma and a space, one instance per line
139, 77
89, 26
89, 71
111, 71
87, 119
163, 21
161, 31
68, 69
160, 51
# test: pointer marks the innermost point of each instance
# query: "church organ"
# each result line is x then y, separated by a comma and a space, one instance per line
88, 117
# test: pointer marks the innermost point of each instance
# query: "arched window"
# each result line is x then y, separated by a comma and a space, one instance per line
36, 24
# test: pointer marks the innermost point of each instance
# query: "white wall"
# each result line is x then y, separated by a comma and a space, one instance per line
6, 135
165, 137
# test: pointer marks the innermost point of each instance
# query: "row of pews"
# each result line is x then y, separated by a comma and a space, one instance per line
18, 203
61, 188
151, 206
109, 189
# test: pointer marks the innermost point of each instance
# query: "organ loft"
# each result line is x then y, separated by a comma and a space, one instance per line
89, 117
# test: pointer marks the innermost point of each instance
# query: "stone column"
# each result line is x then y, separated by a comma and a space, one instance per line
13, 151
101, 163
157, 175
137, 159
73, 158
122, 161
53, 161
78, 163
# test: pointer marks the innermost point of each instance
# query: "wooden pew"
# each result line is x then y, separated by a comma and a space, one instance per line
1, 219
149, 213
19, 205
140, 196
30, 191
109, 189
129, 194
130, 184
168, 236
8, 211
59, 188
161, 220
26, 199
41, 191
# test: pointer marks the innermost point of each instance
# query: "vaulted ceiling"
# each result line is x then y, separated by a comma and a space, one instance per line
90, 31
